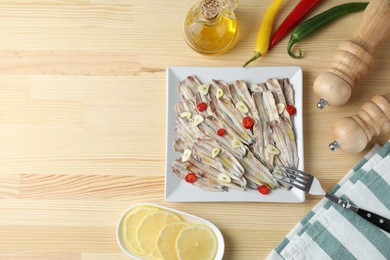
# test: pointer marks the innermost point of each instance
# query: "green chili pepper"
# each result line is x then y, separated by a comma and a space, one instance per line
316, 22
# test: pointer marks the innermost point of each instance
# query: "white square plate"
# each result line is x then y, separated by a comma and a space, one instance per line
180, 191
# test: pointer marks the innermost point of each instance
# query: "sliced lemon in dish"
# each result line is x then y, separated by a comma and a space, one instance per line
130, 225
151, 226
166, 241
196, 242
142, 216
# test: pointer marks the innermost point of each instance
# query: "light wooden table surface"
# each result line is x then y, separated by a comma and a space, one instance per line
82, 121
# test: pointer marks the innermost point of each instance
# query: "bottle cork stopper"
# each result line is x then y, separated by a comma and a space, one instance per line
210, 9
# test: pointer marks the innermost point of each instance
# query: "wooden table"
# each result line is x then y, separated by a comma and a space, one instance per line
82, 122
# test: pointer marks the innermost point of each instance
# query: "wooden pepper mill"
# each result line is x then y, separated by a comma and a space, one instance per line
354, 57
351, 134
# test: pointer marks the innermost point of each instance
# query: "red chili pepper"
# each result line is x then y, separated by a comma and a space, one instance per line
263, 189
296, 15
221, 132
291, 110
191, 177
201, 107
248, 122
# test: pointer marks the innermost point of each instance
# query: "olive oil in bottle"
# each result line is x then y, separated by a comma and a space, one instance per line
211, 26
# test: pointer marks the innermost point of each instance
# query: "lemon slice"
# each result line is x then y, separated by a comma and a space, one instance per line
130, 224
151, 226
196, 242
166, 241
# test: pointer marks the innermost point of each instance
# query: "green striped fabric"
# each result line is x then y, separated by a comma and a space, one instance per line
329, 231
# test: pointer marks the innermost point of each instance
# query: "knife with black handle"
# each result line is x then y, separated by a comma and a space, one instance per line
375, 219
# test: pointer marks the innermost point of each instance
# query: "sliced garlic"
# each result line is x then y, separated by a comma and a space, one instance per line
272, 149
256, 88
280, 107
186, 114
203, 89
242, 107
219, 92
186, 155
197, 120
224, 178
236, 143
215, 152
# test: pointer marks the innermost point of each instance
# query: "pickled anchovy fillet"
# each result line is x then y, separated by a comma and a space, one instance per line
257, 172
187, 131
258, 144
240, 184
259, 103
229, 115
274, 86
239, 92
210, 128
202, 149
279, 140
187, 95
269, 157
231, 128
290, 141
188, 89
243, 153
236, 183
206, 183
270, 105
288, 92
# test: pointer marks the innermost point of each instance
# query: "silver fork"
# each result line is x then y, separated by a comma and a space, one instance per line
310, 184
299, 179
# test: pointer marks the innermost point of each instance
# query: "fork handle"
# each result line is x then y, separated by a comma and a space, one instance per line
375, 219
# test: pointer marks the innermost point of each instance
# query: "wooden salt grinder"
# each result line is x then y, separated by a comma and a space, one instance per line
354, 57
351, 134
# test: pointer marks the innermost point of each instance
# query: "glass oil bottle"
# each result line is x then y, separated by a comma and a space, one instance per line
211, 26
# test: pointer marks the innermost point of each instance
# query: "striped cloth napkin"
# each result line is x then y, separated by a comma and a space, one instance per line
329, 231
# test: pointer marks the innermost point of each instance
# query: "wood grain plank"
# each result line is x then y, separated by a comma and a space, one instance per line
82, 121
28, 239
43, 113
68, 63
92, 213
104, 256
40, 256
9, 186
90, 187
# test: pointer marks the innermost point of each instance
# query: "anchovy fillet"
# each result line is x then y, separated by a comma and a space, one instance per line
247, 156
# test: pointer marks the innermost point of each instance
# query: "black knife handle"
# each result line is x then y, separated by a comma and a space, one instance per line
375, 219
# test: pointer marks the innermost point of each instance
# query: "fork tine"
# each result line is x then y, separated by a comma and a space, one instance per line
291, 184
292, 177
292, 170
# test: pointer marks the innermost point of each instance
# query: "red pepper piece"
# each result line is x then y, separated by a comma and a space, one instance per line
248, 122
221, 132
291, 110
191, 177
296, 16
201, 107
263, 189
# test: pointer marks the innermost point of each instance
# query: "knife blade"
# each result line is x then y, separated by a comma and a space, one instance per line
375, 219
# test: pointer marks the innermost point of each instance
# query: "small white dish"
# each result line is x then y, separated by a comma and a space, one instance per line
180, 191
185, 216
